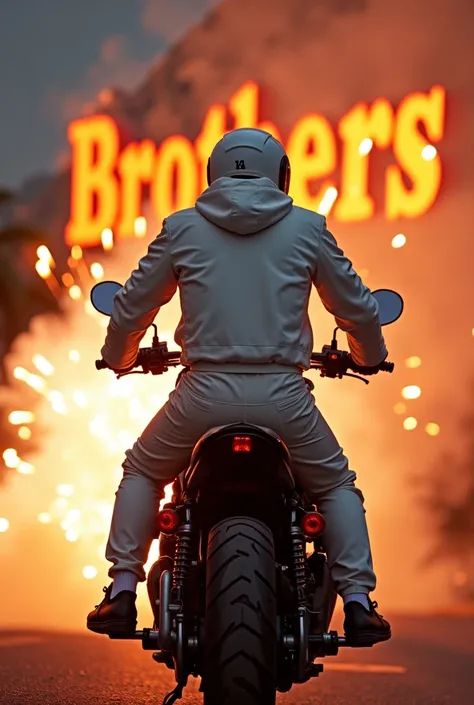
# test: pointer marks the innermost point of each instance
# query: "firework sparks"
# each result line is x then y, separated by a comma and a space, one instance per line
20, 417
34, 381
412, 391
43, 268
43, 365
91, 418
140, 226
399, 241
45, 255
410, 423
89, 572
25, 468
328, 200
365, 146
97, 271
413, 362
10, 458
429, 152
107, 238
76, 491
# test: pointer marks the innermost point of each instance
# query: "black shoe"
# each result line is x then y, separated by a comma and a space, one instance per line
114, 616
364, 627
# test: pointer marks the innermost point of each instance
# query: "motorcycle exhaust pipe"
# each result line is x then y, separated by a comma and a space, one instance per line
167, 637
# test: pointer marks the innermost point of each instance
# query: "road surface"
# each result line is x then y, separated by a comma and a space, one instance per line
429, 661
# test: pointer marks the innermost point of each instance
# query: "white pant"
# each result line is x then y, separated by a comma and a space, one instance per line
280, 401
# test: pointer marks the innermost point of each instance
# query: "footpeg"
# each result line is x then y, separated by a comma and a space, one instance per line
148, 637
327, 644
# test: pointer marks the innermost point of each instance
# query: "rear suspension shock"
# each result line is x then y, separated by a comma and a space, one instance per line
298, 557
184, 554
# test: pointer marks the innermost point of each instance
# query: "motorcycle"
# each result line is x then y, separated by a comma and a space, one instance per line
237, 597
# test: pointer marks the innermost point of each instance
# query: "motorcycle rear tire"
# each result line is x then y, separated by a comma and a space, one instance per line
240, 655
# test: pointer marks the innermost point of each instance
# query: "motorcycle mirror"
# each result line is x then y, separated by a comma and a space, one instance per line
390, 305
102, 296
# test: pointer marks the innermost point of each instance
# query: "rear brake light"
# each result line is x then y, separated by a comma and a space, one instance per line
242, 444
312, 524
168, 521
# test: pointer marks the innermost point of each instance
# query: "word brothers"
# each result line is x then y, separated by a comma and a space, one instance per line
108, 183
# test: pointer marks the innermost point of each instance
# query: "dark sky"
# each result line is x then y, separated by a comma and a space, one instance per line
57, 54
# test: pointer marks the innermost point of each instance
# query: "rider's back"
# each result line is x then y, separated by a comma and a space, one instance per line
245, 259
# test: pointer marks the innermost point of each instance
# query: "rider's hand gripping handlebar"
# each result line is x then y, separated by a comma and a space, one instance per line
331, 362
156, 360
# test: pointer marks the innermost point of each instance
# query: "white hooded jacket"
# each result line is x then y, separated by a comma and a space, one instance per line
244, 260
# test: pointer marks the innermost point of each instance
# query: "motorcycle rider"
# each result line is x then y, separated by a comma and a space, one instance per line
244, 259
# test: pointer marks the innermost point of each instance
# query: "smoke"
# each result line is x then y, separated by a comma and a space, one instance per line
170, 19
115, 66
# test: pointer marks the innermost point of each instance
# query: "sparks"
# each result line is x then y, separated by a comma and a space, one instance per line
399, 241
97, 270
365, 146
140, 226
43, 268
10, 458
75, 292
20, 417
429, 152
24, 433
44, 518
107, 238
65, 490
80, 399
413, 361
33, 381
25, 468
44, 254
328, 200
67, 279
43, 365
89, 572
410, 423
76, 252
57, 402
4, 525
411, 392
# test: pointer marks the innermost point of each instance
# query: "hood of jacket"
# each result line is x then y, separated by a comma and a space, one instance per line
243, 206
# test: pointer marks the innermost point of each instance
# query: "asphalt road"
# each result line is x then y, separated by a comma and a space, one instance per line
429, 661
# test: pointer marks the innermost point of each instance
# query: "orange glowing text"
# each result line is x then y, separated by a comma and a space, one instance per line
107, 182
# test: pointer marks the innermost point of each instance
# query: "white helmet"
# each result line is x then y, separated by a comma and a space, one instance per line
249, 153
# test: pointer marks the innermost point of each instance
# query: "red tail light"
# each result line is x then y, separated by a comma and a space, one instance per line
312, 524
168, 521
242, 444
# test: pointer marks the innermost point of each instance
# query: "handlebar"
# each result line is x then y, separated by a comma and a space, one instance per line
331, 362
156, 360
101, 365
